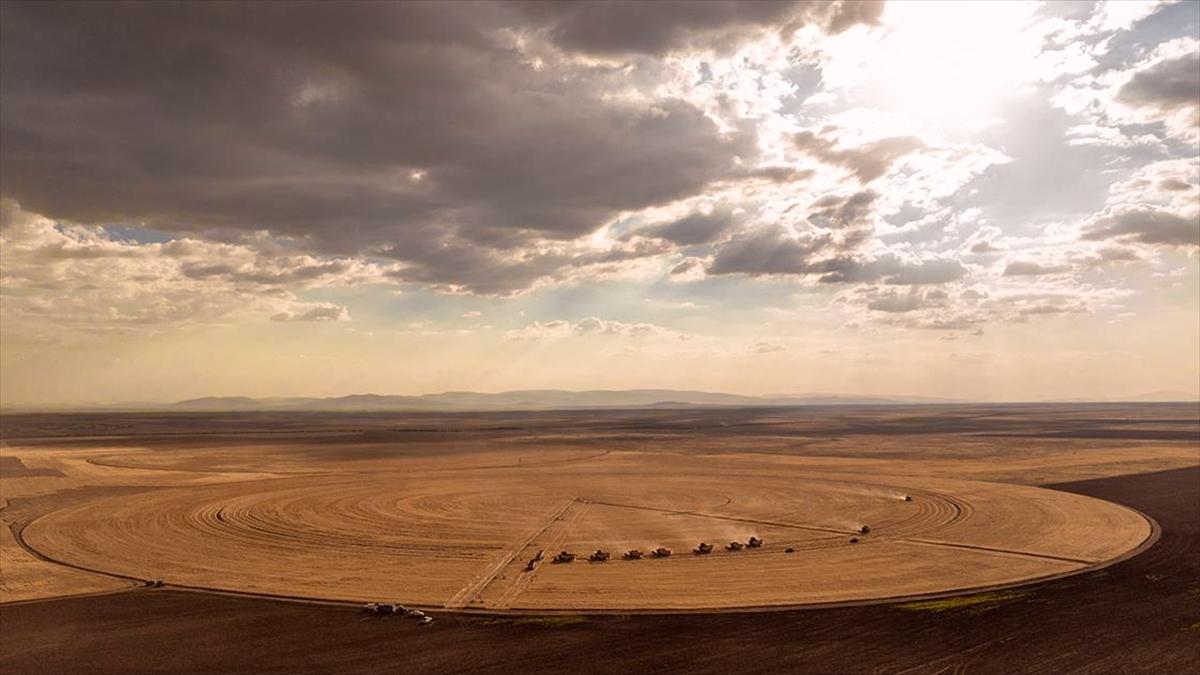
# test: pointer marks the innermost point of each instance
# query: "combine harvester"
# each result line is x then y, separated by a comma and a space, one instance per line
384, 608
735, 546
661, 552
396, 609
599, 556
703, 549
754, 542
632, 554
564, 557
533, 562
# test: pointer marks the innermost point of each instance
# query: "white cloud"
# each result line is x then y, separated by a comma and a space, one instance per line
64, 277
590, 326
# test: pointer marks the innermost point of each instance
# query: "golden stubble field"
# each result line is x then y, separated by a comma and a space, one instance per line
453, 523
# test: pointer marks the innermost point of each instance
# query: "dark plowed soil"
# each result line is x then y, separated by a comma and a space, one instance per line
1142, 615
1124, 421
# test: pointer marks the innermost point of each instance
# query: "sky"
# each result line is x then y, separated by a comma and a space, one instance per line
983, 200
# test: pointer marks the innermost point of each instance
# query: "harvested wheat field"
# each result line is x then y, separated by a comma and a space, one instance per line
449, 512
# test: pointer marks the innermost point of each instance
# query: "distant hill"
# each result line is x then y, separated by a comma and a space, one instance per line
536, 399
559, 399
219, 403
1167, 395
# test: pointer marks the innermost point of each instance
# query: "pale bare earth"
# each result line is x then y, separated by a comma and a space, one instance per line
454, 523
24, 577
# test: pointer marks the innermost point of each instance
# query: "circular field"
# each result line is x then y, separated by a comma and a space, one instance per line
462, 537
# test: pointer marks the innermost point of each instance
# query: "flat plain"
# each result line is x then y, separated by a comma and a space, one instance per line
445, 511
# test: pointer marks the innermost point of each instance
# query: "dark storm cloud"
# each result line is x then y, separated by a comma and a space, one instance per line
831, 251
1146, 226
694, 228
502, 272
867, 162
776, 251
407, 130
781, 174
769, 250
1169, 84
655, 28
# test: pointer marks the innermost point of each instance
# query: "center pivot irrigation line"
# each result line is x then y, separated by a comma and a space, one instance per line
700, 514
990, 549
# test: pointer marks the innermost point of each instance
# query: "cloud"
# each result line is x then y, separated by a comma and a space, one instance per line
58, 276
983, 241
688, 267
1170, 185
1169, 84
895, 270
835, 211
1019, 307
769, 250
897, 302
781, 173
867, 162
502, 149
1117, 254
984, 246
321, 312
693, 229
419, 132
1025, 268
922, 312
657, 28
767, 348
591, 326
833, 256
1146, 226
1155, 99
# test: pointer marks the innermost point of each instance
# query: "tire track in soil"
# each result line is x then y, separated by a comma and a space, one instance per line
468, 593
522, 582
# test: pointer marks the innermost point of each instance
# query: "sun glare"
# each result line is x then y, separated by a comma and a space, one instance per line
942, 64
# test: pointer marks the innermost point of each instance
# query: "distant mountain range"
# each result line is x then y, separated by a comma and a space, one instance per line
550, 399
537, 399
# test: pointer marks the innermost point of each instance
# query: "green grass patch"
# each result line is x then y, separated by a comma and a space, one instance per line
961, 602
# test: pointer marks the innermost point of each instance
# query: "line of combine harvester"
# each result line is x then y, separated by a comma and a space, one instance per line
396, 609
600, 555
703, 548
